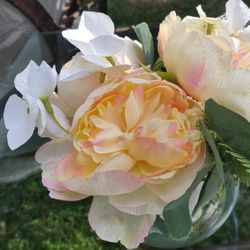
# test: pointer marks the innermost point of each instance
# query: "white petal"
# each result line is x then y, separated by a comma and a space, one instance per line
42, 118
131, 54
41, 80
105, 183
20, 134
66, 195
47, 126
237, 14
73, 93
98, 60
139, 202
78, 39
196, 74
15, 111
112, 225
107, 45
77, 68
54, 151
21, 79
20, 119
97, 23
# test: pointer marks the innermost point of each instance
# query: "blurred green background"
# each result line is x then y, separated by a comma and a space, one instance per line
30, 220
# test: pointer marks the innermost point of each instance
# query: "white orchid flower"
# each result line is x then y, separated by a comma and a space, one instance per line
238, 17
23, 115
95, 32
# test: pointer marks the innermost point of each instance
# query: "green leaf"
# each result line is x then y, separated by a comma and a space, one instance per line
162, 232
233, 129
209, 189
211, 143
167, 76
145, 37
177, 218
159, 65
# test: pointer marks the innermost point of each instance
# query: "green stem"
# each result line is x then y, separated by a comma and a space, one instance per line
110, 60
49, 109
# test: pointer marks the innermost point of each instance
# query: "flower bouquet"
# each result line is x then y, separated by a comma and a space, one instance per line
160, 141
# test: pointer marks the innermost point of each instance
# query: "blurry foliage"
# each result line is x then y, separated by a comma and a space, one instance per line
132, 12
30, 220
128, 12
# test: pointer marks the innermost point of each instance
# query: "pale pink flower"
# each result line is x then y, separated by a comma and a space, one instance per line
135, 147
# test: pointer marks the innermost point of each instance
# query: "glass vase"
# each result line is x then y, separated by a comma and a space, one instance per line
209, 219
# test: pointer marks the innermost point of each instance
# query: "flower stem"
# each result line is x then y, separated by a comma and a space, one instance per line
110, 60
49, 109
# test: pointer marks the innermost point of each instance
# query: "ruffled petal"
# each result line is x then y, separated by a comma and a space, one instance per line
112, 225
176, 186
66, 195
139, 202
54, 151
105, 183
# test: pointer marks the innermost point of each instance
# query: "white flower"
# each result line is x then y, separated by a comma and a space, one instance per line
237, 16
96, 40
22, 115
95, 32
20, 120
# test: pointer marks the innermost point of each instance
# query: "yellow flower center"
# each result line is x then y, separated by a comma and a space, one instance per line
146, 129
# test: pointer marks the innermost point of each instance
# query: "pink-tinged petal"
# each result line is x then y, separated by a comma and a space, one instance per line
66, 168
101, 123
66, 195
112, 225
54, 151
106, 149
196, 74
194, 77
108, 134
120, 161
156, 154
90, 100
105, 183
139, 202
49, 180
180, 182
134, 108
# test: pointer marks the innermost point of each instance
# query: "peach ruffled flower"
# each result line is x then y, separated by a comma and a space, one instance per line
135, 147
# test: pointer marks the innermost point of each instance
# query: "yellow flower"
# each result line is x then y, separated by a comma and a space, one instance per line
151, 128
